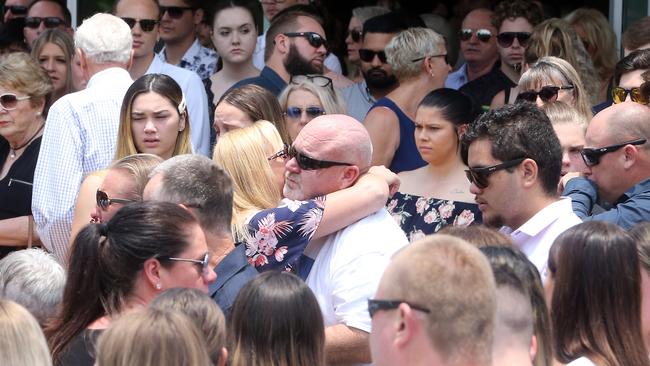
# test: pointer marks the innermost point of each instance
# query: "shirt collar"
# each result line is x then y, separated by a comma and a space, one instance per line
642, 186
543, 218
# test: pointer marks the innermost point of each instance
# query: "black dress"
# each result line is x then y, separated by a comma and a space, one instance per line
16, 186
81, 350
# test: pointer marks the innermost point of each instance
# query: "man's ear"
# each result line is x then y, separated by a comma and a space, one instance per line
282, 43
350, 175
530, 172
83, 63
630, 155
405, 330
198, 16
129, 63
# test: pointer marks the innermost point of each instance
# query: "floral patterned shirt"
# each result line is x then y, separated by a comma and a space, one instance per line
197, 58
278, 236
420, 216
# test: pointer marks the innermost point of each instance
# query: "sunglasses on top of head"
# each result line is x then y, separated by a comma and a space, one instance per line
480, 176
9, 101
174, 12
50, 22
318, 80
314, 39
505, 39
591, 156
547, 93
15, 9
482, 34
619, 94
307, 163
147, 25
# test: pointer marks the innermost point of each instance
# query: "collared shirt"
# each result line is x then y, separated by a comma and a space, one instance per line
358, 100
630, 209
80, 137
331, 60
535, 237
196, 98
268, 79
233, 272
457, 78
197, 58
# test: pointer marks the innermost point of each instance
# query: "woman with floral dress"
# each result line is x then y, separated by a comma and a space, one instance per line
437, 194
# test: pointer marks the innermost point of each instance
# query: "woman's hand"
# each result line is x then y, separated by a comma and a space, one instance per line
392, 180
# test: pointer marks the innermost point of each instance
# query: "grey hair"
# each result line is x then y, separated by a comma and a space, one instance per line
411, 44
198, 182
329, 97
33, 279
104, 38
364, 13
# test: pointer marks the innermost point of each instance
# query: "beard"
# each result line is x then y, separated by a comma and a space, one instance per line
296, 64
379, 79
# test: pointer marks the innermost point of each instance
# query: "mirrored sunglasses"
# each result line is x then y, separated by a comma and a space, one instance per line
9, 101
619, 94
506, 39
147, 25
49, 22
482, 34
546, 94
314, 39
105, 202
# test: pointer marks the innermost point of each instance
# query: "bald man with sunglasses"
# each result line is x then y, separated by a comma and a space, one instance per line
515, 159
617, 167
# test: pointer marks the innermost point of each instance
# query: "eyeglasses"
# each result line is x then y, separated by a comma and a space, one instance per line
619, 94
174, 12
440, 55
314, 39
355, 34
50, 22
204, 263
547, 93
482, 34
318, 80
506, 39
280, 154
16, 9
104, 202
9, 101
375, 305
312, 112
147, 25
367, 55
307, 163
591, 156
479, 176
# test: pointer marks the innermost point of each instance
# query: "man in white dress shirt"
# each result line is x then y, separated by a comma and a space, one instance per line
328, 155
81, 128
144, 15
514, 162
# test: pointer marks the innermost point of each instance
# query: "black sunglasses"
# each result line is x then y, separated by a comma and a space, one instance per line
50, 22
482, 34
374, 305
9, 101
591, 156
506, 39
307, 163
440, 55
312, 112
479, 176
147, 25
546, 93
355, 34
319, 80
204, 263
367, 55
105, 202
619, 94
174, 12
314, 39
15, 9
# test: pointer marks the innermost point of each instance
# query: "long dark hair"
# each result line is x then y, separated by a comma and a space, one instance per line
276, 320
105, 258
596, 305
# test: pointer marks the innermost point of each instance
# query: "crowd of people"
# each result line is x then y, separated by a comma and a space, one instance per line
210, 184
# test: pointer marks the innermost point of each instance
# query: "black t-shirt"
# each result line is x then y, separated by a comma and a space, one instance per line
483, 89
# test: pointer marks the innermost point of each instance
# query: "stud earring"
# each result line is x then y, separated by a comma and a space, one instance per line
158, 286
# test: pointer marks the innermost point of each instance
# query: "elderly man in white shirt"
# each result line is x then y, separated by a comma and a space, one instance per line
81, 128
514, 161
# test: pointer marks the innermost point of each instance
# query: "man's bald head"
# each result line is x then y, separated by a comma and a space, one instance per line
624, 121
341, 138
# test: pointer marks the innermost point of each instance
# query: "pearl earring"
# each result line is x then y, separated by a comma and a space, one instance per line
158, 286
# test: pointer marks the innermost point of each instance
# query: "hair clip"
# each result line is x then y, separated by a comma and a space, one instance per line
182, 105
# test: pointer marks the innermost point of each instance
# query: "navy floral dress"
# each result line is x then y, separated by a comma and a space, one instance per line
278, 236
420, 216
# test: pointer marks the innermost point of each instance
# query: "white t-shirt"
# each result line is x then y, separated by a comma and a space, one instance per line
582, 361
348, 268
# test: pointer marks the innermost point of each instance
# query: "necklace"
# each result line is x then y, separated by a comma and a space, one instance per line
12, 150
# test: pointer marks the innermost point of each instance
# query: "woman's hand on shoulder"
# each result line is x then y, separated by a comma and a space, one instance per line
391, 179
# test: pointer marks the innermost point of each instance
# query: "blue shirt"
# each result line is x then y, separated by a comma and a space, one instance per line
631, 208
233, 272
457, 78
268, 79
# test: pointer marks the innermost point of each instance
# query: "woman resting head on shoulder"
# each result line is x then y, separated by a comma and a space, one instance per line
54, 51
154, 119
241, 107
307, 97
